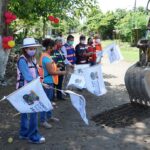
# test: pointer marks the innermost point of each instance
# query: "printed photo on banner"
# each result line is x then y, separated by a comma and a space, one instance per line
77, 81
94, 80
79, 69
113, 53
30, 98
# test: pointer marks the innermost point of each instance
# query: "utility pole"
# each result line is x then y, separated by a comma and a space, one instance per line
134, 5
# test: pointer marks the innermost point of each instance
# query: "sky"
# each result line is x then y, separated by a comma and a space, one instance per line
106, 5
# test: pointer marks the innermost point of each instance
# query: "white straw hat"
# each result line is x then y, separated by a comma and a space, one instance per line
30, 42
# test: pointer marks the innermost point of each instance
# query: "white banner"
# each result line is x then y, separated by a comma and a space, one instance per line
79, 69
99, 56
113, 52
30, 98
77, 81
78, 101
94, 80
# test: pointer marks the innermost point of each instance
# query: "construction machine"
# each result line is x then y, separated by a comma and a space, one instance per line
137, 77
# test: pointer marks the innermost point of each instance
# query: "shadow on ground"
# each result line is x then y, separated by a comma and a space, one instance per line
122, 116
108, 76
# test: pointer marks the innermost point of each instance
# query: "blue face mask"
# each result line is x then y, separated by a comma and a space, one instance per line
31, 52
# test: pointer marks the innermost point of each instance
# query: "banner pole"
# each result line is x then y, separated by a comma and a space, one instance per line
4, 98
16, 114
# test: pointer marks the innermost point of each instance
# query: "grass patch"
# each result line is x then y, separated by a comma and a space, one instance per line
129, 53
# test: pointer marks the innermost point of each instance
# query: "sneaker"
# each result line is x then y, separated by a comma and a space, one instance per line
40, 141
46, 125
54, 119
54, 104
23, 137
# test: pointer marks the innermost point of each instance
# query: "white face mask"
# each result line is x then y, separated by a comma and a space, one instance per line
98, 41
31, 52
82, 41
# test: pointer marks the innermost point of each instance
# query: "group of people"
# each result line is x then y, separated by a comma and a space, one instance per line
51, 69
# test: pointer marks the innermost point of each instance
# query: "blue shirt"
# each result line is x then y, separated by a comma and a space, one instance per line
47, 77
24, 69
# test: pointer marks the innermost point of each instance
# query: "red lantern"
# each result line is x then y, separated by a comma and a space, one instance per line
14, 17
5, 42
56, 20
8, 21
51, 18
6, 46
8, 15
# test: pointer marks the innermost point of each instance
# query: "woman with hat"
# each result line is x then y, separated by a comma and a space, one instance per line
26, 72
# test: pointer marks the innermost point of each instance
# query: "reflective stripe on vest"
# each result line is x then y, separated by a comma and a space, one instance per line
32, 69
41, 71
70, 53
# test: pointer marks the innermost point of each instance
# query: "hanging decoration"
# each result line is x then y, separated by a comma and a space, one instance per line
53, 19
9, 17
56, 20
8, 42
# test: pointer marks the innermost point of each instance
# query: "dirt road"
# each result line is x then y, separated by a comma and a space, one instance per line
114, 123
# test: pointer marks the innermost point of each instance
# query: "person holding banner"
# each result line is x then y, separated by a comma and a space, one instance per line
26, 72
91, 52
81, 51
50, 77
69, 51
97, 43
59, 59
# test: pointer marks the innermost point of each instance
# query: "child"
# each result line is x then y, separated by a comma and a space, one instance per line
26, 72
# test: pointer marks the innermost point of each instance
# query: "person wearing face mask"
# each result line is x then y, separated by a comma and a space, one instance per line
69, 51
91, 52
81, 51
26, 72
59, 59
97, 43
50, 77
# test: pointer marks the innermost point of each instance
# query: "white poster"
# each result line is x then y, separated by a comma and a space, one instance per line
99, 56
30, 98
94, 80
79, 103
77, 81
114, 53
79, 69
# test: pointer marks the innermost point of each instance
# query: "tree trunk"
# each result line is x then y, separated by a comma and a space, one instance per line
3, 32
44, 27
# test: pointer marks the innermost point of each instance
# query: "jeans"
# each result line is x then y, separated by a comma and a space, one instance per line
29, 126
44, 116
59, 86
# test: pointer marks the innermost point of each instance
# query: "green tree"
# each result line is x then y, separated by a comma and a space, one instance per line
30, 10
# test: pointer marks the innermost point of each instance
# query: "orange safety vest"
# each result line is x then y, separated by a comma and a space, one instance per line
98, 47
41, 71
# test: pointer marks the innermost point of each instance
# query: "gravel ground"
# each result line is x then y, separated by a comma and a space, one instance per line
114, 123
